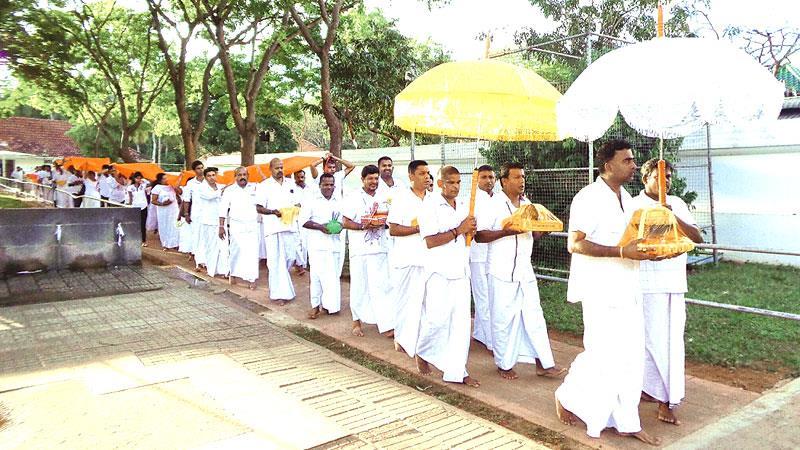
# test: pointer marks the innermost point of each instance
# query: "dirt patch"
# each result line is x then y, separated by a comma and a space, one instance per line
483, 410
5, 419
754, 380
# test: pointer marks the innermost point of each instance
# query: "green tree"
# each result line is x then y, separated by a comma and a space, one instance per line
372, 62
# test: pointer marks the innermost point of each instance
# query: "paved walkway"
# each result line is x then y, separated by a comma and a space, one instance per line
529, 397
185, 367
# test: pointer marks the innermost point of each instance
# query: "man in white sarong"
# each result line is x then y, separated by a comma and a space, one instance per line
214, 250
325, 290
605, 381
369, 265
406, 257
663, 287
238, 206
190, 211
519, 331
479, 281
329, 162
274, 194
300, 191
445, 323
106, 183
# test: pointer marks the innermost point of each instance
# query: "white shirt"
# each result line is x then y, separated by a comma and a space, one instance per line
186, 196
669, 275
405, 208
60, 179
273, 195
357, 204
390, 191
164, 193
239, 204
478, 252
139, 195
450, 260
509, 258
107, 185
44, 177
91, 188
321, 210
71, 178
207, 199
118, 193
596, 211
17, 174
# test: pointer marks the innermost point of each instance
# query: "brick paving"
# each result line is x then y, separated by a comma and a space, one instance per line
183, 321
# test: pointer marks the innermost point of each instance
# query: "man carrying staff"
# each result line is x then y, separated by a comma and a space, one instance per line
663, 287
189, 211
369, 267
519, 331
323, 247
273, 195
214, 250
445, 324
238, 206
406, 277
479, 281
605, 381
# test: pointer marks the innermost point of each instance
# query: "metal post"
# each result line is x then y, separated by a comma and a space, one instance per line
711, 191
591, 143
412, 146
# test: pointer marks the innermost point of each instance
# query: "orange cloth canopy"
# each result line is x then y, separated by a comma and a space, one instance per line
149, 170
290, 165
82, 163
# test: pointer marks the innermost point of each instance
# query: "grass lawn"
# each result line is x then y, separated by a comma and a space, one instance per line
7, 202
719, 337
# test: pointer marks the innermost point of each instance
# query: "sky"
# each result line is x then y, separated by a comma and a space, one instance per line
457, 24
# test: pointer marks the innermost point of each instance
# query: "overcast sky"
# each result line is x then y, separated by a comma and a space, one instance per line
456, 24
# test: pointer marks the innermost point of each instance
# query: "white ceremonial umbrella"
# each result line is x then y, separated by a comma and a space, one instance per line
669, 88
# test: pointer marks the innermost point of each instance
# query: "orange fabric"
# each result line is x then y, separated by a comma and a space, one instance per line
172, 179
149, 170
290, 165
33, 177
82, 163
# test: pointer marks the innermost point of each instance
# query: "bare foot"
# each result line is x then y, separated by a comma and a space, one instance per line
252, 286
471, 382
565, 416
144, 244
357, 331
314, 313
422, 366
644, 437
645, 397
300, 270
666, 415
398, 347
388, 334
282, 302
552, 372
198, 269
507, 374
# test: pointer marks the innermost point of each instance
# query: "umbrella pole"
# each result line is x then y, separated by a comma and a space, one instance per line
474, 189
662, 177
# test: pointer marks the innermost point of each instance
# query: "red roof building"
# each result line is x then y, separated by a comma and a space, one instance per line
39, 137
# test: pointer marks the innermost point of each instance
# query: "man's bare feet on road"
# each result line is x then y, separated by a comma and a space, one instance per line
300, 270
565, 416
507, 374
282, 302
313, 313
357, 331
398, 347
422, 366
252, 286
666, 415
552, 372
644, 437
389, 334
471, 382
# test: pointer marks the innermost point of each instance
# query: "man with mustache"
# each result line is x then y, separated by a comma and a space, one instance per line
238, 207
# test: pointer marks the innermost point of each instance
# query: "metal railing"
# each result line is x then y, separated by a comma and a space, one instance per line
710, 304
38, 191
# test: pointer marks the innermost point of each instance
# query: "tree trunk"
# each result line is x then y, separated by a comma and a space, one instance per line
125, 151
334, 125
248, 145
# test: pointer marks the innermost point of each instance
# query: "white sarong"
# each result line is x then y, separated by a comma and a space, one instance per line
408, 291
243, 250
519, 332
604, 383
325, 287
444, 326
664, 371
167, 231
186, 241
213, 249
369, 299
482, 327
281, 251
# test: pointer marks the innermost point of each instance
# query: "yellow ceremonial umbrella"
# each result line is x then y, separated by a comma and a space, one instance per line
483, 99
